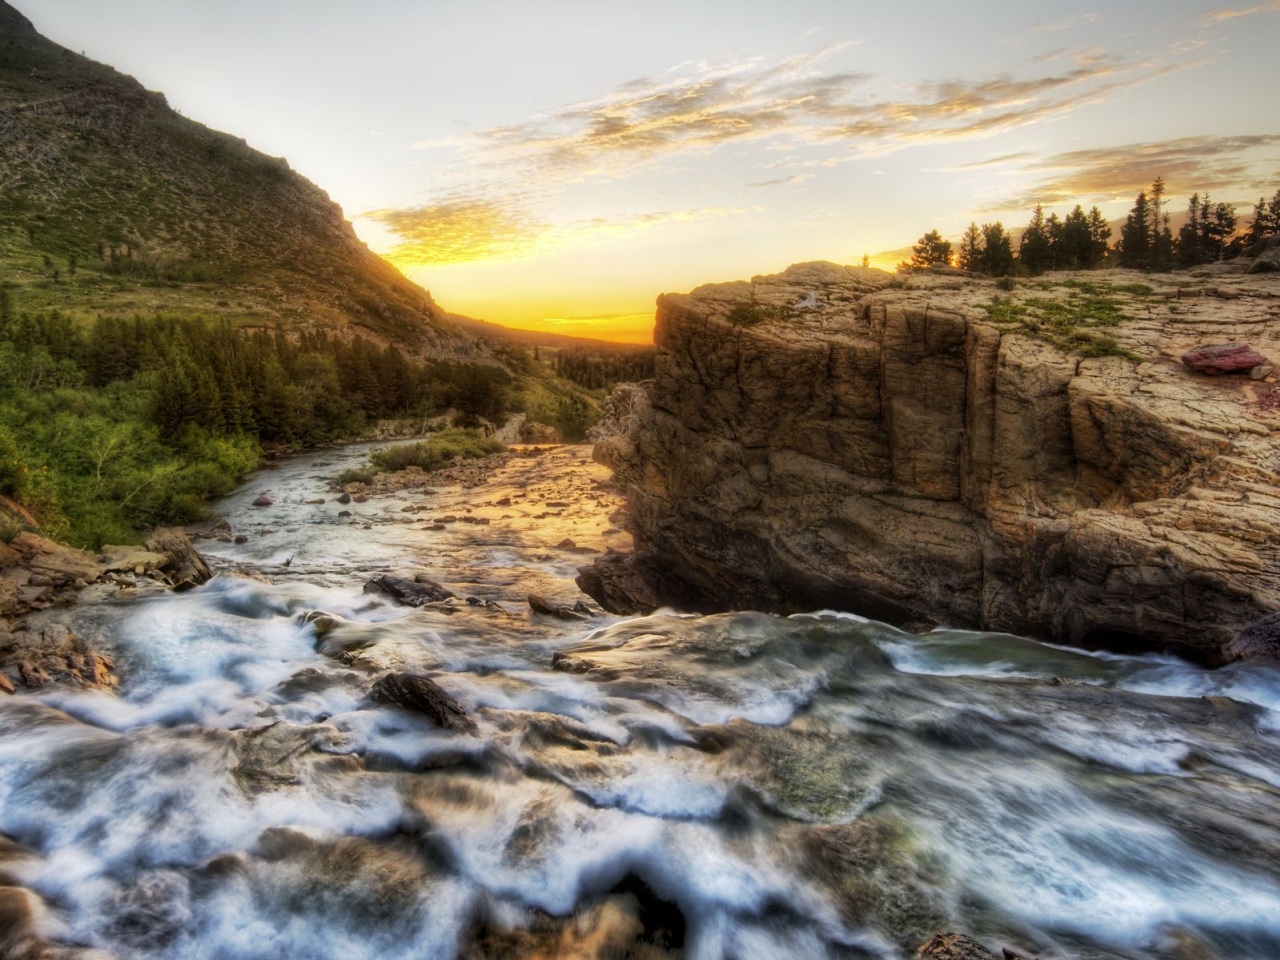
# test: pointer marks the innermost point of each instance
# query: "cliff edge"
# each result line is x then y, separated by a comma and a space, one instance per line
938, 450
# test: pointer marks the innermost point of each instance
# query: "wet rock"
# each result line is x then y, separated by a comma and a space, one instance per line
360, 498
420, 694
542, 605
1223, 358
1260, 640
50, 653
183, 567
620, 583
344, 499
263, 501
316, 502
240, 538
414, 593
344, 513
956, 946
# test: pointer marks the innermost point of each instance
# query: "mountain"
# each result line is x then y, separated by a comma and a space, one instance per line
110, 201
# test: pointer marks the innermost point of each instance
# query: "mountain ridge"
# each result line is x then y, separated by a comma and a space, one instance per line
104, 187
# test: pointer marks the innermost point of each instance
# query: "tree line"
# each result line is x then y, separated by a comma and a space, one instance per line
123, 424
1081, 241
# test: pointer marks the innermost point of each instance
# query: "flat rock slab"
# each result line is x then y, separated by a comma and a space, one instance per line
1223, 358
61, 564
117, 559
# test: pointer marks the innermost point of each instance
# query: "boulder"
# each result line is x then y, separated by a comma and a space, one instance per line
1223, 358
542, 605
183, 566
420, 694
263, 501
417, 592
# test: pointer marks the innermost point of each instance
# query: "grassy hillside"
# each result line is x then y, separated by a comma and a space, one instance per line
111, 202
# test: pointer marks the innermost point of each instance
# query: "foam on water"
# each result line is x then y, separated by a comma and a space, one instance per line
242, 797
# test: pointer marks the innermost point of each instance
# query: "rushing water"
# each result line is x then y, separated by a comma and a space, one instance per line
739, 785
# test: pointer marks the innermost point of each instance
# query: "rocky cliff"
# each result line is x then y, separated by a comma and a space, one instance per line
938, 450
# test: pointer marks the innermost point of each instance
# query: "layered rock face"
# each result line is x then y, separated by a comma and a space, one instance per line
835, 437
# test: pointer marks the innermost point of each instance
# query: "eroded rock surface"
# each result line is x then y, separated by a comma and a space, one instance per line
825, 438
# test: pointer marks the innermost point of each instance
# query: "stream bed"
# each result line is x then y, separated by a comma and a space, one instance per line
732, 786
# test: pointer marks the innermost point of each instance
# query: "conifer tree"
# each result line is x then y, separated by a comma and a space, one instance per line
1099, 237
1034, 249
997, 250
970, 254
931, 251
1135, 235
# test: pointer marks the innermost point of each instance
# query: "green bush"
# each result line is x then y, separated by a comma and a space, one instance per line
436, 452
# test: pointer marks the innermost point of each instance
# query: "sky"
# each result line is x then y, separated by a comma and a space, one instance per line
556, 164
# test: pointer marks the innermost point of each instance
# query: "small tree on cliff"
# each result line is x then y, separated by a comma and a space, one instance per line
931, 251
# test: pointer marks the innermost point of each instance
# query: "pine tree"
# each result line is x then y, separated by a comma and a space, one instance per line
997, 250
1073, 247
1099, 238
931, 251
1034, 249
970, 255
1135, 235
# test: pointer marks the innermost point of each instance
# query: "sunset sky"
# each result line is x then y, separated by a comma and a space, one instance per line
556, 165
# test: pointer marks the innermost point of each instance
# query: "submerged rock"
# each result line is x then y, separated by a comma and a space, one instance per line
542, 605
37, 655
420, 694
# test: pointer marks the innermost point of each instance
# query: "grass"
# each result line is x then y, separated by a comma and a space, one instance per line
1070, 324
749, 314
438, 451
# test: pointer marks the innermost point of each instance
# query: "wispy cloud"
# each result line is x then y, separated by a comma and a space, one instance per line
1186, 163
798, 108
1233, 13
467, 229
783, 181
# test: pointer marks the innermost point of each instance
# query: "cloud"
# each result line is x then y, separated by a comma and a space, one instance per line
783, 181
1187, 164
813, 115
459, 229
1233, 13
465, 229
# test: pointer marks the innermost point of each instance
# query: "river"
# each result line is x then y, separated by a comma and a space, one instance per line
731, 786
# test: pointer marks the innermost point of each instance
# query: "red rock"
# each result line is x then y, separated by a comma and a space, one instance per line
263, 502
1223, 358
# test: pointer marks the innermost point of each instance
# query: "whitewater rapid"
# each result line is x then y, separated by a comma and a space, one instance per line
732, 786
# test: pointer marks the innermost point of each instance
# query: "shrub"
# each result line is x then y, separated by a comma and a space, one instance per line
436, 452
